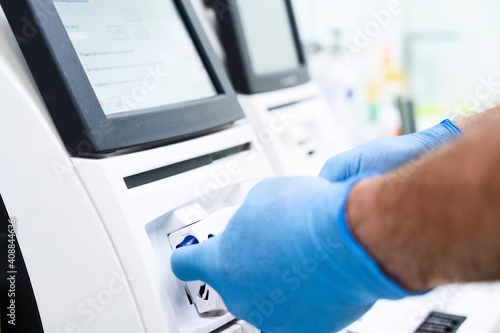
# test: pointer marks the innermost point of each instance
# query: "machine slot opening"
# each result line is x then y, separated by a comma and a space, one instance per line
151, 176
278, 107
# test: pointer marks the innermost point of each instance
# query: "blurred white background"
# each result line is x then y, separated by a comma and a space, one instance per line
441, 55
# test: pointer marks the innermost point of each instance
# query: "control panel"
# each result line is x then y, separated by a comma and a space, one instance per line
204, 297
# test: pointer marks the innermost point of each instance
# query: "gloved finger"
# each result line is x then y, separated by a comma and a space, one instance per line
338, 168
387, 154
196, 262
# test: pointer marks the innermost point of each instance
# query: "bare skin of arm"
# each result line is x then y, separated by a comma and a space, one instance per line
477, 121
436, 221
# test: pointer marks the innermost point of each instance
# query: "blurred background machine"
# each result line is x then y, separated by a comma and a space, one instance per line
261, 47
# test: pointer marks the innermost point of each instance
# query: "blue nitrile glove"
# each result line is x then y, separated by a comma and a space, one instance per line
287, 261
387, 154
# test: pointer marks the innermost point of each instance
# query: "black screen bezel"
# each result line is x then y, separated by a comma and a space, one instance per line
73, 105
239, 63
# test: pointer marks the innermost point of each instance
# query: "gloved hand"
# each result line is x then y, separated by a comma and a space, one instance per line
287, 261
384, 155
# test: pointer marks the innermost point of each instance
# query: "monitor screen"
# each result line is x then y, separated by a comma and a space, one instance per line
268, 30
137, 54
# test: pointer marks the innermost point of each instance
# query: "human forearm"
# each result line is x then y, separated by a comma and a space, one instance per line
436, 221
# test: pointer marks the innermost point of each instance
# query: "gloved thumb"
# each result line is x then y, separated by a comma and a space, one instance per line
195, 262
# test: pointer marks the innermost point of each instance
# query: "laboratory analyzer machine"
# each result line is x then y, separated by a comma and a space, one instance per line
124, 138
